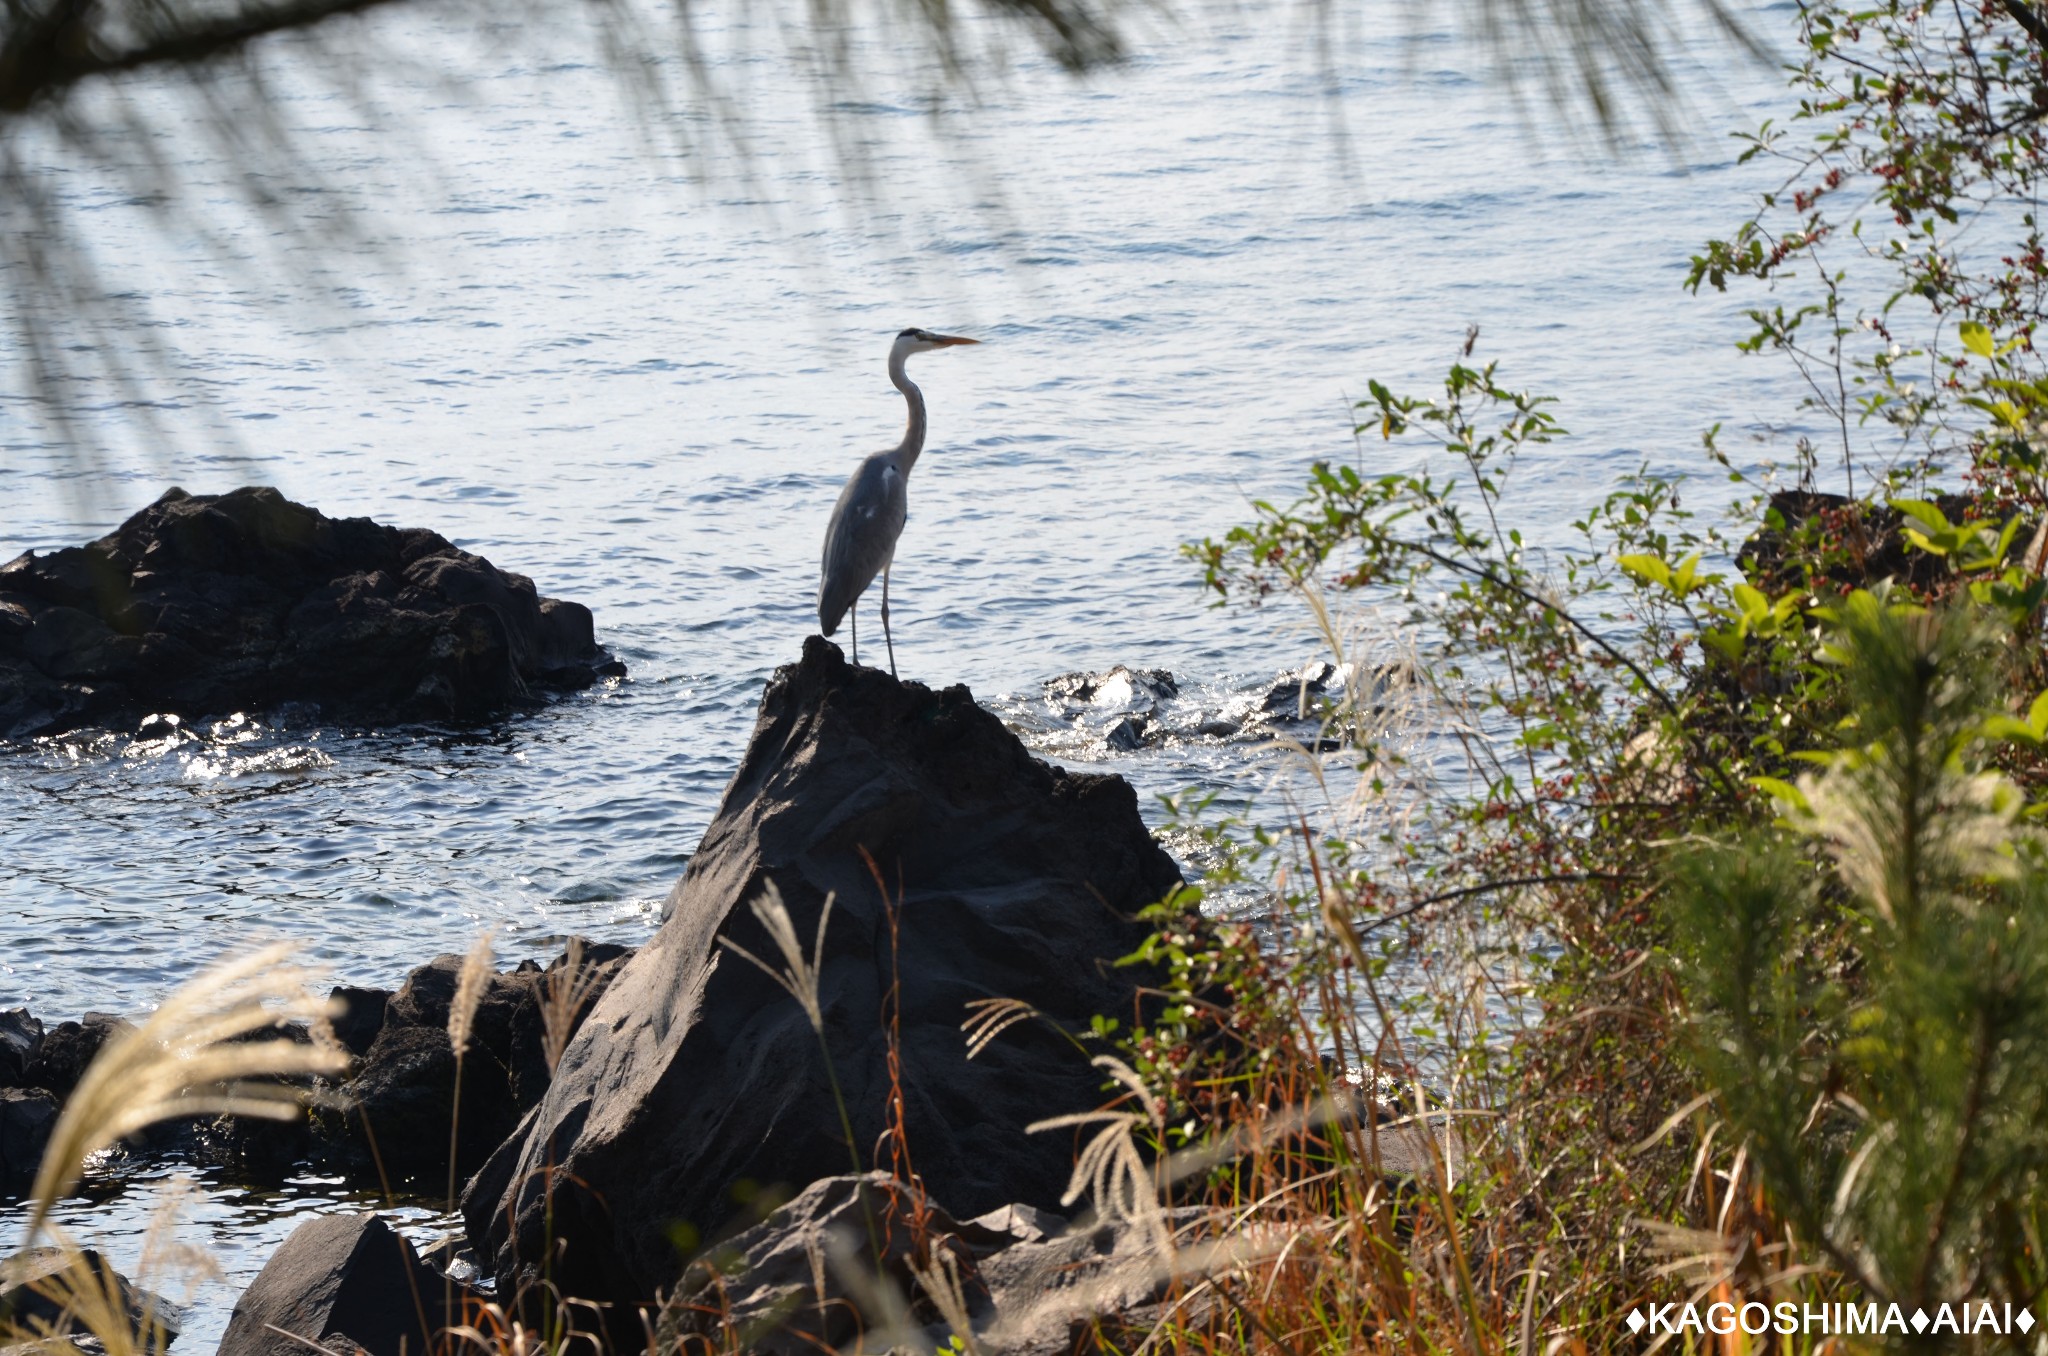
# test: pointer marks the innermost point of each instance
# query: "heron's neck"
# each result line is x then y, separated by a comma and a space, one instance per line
913, 435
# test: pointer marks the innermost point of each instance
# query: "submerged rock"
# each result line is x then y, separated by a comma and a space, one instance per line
219, 603
1127, 734
1120, 689
1126, 709
698, 1078
1299, 695
342, 1281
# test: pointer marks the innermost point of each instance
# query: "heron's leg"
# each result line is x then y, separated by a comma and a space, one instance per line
886, 638
853, 613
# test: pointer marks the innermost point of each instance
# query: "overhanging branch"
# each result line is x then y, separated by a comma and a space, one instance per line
48, 53
2029, 18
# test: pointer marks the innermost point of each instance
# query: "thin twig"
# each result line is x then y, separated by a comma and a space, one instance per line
1488, 887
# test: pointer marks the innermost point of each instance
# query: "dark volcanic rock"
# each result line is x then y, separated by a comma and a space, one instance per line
20, 1035
256, 1146
406, 1093
348, 1277
27, 1116
361, 1016
804, 1280
60, 1060
405, 1085
697, 1075
219, 603
428, 995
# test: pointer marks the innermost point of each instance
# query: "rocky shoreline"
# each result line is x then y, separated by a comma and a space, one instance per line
693, 1090
691, 1108
880, 970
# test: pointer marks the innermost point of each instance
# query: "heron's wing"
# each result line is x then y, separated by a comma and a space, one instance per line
861, 537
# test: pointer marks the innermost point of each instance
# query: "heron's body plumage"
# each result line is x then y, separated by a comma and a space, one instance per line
860, 541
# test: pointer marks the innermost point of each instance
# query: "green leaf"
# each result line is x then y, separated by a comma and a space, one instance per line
1924, 513
2007, 727
1976, 338
1724, 641
1783, 792
1646, 569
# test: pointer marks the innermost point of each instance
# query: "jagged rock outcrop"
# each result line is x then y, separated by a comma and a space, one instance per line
210, 604
698, 1077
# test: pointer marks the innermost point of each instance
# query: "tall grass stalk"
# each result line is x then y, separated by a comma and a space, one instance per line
477, 969
563, 998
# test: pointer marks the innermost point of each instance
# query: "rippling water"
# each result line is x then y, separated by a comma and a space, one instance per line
643, 387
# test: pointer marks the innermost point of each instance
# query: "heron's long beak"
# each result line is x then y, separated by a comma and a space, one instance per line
950, 339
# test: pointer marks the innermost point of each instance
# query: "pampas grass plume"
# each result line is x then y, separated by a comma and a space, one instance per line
799, 977
477, 968
188, 1059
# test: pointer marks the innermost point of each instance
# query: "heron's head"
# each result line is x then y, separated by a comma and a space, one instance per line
923, 341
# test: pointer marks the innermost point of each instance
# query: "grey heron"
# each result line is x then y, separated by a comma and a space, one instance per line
860, 541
